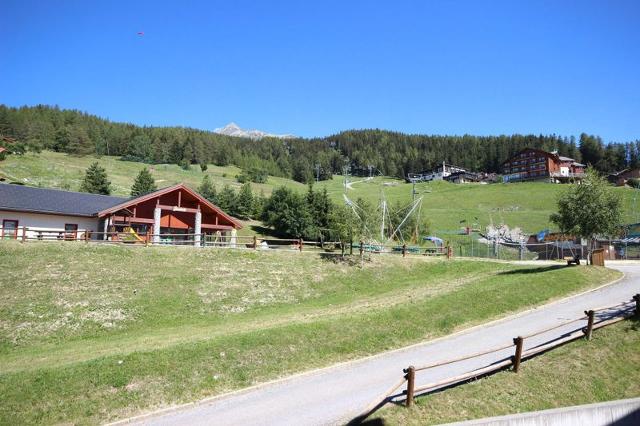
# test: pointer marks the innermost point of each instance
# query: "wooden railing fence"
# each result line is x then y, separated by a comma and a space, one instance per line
25, 234
618, 313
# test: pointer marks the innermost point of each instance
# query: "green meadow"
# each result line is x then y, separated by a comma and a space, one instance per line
447, 206
90, 334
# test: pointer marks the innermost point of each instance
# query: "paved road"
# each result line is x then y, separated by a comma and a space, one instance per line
335, 395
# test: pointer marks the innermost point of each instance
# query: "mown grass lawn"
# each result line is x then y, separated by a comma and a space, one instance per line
582, 372
96, 333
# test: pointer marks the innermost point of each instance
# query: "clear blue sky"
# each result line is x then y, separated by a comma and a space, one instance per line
315, 68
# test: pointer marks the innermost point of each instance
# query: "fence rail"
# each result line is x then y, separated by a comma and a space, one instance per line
26, 234
620, 312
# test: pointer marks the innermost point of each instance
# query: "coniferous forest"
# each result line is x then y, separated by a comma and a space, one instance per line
389, 153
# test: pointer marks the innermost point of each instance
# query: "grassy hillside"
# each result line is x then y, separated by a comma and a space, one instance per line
526, 205
579, 373
56, 170
150, 327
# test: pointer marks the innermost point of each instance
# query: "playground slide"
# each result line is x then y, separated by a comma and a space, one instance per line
134, 234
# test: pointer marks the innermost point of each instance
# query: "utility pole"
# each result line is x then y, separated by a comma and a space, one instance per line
345, 174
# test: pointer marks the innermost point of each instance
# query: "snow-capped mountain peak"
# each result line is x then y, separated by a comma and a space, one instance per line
232, 129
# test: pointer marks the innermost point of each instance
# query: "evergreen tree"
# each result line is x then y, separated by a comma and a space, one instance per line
287, 212
79, 142
208, 190
143, 184
61, 139
95, 180
176, 152
227, 199
244, 202
391, 153
259, 202
591, 150
634, 159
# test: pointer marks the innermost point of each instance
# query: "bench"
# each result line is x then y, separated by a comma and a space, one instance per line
572, 259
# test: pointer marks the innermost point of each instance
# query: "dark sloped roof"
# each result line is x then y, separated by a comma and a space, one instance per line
30, 199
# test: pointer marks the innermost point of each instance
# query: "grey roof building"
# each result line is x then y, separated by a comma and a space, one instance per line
54, 201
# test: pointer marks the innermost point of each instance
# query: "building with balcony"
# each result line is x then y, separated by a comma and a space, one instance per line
536, 164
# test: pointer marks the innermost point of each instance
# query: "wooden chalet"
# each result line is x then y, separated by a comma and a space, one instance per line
174, 213
536, 164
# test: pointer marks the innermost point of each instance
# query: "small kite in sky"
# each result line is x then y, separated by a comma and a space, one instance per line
140, 33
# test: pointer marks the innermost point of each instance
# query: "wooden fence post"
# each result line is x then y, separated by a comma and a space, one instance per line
24, 234
404, 250
518, 356
411, 383
255, 242
449, 252
86, 236
637, 299
589, 330
146, 240
300, 243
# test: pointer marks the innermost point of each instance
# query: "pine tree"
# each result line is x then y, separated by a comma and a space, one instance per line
208, 190
95, 180
288, 213
227, 199
176, 152
258, 204
79, 142
244, 202
143, 184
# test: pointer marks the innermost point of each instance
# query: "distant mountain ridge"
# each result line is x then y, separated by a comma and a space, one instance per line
232, 129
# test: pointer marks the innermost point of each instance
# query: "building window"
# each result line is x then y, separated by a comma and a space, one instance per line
9, 229
70, 231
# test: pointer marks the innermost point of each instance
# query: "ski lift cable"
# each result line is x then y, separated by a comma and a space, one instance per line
416, 203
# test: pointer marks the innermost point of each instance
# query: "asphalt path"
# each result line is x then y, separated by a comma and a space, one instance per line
337, 394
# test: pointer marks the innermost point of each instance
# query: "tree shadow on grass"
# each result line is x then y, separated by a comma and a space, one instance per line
267, 232
537, 270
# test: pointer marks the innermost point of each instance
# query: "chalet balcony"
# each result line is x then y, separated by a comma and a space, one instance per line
567, 175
